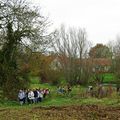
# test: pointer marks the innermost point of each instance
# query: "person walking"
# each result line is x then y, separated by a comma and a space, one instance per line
21, 96
31, 96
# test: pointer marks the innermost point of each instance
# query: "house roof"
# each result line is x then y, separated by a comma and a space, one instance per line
102, 61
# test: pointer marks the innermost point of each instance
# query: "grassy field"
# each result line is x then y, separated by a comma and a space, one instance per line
76, 97
109, 78
73, 106
63, 108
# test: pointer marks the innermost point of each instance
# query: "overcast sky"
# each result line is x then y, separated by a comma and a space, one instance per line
100, 18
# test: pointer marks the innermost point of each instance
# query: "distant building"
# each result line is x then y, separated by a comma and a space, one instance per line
101, 64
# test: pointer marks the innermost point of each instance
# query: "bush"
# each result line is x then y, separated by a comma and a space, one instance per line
54, 77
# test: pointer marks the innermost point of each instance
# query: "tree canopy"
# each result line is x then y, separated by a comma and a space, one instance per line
21, 24
100, 51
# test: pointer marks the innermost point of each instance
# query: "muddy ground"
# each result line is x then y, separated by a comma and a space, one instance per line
83, 112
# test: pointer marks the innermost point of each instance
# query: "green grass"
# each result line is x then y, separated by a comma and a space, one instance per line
34, 80
7, 103
64, 101
55, 99
73, 99
35, 83
109, 77
45, 85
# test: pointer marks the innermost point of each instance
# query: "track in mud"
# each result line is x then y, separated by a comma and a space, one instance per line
83, 112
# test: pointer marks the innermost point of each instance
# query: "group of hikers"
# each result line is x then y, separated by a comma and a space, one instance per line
102, 91
63, 90
32, 96
37, 95
98, 91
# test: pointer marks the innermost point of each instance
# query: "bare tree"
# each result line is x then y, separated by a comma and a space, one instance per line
114, 47
72, 47
116, 60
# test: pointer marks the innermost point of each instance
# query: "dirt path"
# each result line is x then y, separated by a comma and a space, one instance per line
85, 112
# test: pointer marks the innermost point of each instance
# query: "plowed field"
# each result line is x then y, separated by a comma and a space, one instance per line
83, 112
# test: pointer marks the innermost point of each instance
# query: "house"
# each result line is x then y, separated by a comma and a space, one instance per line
101, 64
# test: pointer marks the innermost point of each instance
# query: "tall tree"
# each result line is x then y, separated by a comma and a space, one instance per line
100, 51
20, 24
71, 46
116, 59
